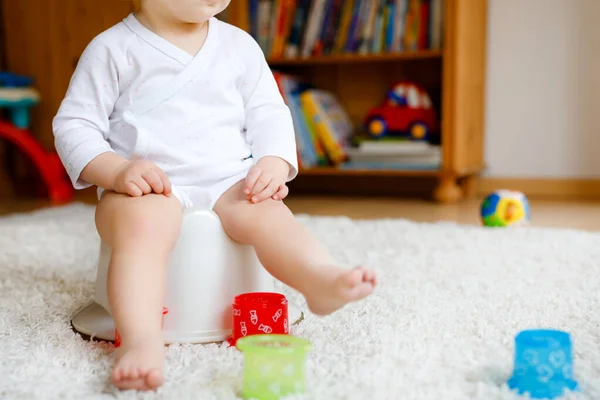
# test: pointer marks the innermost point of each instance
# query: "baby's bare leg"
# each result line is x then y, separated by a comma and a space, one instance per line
141, 232
290, 253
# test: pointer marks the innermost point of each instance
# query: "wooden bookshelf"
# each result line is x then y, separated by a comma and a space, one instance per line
454, 78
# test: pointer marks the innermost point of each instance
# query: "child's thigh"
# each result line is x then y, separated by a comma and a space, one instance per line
243, 221
152, 221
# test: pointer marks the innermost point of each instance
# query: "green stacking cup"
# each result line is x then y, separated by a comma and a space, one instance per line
274, 366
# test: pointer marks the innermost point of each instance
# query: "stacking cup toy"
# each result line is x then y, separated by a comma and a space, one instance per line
543, 364
259, 313
165, 311
274, 366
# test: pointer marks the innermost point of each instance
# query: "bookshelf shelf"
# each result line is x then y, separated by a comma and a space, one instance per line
357, 58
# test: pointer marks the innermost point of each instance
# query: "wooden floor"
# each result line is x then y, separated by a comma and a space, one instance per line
560, 214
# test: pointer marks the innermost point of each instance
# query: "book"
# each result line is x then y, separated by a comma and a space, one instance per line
298, 22
436, 24
265, 7
332, 124
315, 22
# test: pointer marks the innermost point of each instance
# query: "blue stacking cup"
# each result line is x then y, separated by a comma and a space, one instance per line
543, 365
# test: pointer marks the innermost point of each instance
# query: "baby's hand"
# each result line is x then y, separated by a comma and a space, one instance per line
267, 180
140, 177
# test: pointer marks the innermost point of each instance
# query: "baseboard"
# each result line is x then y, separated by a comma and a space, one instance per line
560, 189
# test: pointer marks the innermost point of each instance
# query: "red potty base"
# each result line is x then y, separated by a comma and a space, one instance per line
258, 314
118, 337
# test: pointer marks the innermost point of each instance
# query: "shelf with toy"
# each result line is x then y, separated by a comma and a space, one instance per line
395, 135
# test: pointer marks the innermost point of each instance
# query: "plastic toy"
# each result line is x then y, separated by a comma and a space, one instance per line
407, 112
206, 271
505, 208
543, 365
18, 98
274, 366
259, 313
47, 164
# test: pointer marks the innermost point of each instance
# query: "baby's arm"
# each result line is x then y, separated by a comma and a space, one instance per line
269, 126
82, 120
82, 125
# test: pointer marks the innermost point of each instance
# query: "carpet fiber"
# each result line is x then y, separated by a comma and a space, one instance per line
441, 326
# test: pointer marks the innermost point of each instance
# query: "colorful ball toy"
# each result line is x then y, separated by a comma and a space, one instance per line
505, 208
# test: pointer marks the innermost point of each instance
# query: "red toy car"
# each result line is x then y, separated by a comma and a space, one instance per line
406, 112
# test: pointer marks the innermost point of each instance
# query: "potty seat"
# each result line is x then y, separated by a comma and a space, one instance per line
206, 271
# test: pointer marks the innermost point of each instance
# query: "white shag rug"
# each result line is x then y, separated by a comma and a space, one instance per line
441, 325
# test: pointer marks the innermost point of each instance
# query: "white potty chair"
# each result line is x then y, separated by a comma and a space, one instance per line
206, 271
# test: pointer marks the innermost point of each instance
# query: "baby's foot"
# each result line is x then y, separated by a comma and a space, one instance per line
343, 287
140, 366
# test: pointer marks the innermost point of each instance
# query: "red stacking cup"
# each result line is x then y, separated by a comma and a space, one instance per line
259, 313
165, 311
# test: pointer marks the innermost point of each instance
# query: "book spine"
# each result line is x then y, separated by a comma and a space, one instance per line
424, 25
333, 27
320, 41
391, 23
315, 20
346, 19
299, 21
369, 32
353, 26
413, 20
253, 15
264, 24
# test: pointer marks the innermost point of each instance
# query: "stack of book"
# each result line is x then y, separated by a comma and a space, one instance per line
394, 155
325, 135
312, 28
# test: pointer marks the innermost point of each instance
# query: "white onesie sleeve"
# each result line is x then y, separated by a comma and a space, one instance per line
82, 122
269, 125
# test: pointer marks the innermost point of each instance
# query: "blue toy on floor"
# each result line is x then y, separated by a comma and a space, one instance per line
543, 364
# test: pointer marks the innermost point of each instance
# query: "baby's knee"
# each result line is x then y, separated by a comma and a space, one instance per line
148, 221
243, 221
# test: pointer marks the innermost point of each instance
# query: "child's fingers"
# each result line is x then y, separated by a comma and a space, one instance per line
266, 193
152, 179
133, 190
261, 184
281, 193
251, 180
167, 189
142, 184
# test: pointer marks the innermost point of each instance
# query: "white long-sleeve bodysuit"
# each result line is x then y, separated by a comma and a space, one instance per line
203, 119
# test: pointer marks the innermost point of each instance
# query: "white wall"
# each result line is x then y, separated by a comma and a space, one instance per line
543, 89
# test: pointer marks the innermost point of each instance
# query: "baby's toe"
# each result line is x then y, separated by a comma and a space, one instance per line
154, 379
370, 277
134, 373
117, 374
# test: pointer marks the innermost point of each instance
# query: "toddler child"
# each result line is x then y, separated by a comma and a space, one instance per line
172, 108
